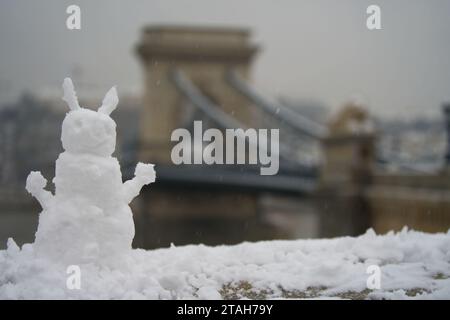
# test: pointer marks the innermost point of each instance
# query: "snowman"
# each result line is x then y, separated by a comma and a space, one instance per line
89, 216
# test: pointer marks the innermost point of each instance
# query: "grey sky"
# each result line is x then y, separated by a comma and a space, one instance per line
315, 49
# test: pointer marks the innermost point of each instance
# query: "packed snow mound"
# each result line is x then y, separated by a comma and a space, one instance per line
412, 264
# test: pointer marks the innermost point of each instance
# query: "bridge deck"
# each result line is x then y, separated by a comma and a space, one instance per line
232, 176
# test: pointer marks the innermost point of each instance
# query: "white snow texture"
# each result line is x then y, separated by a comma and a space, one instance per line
409, 261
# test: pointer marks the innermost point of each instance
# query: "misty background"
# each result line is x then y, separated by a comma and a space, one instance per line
402, 70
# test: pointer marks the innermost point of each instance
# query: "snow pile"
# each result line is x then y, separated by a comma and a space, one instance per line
88, 225
412, 264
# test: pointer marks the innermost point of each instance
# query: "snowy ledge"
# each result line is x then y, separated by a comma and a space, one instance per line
413, 265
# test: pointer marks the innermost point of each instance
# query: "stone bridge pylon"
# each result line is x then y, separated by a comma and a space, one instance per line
203, 56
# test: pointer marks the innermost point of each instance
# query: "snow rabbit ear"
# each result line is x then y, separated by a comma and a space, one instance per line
70, 97
109, 102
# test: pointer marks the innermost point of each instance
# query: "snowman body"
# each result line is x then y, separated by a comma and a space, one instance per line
89, 216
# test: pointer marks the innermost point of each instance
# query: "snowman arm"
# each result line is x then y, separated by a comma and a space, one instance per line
144, 174
35, 185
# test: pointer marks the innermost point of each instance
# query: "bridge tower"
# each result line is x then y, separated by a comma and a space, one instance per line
204, 55
192, 203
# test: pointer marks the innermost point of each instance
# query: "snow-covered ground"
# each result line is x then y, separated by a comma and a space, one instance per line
413, 265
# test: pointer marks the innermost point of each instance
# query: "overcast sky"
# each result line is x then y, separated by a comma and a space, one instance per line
315, 49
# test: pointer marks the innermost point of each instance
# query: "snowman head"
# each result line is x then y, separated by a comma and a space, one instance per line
87, 131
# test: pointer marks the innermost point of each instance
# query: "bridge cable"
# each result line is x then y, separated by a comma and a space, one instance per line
290, 117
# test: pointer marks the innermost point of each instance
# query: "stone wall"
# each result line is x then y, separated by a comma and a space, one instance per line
421, 202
